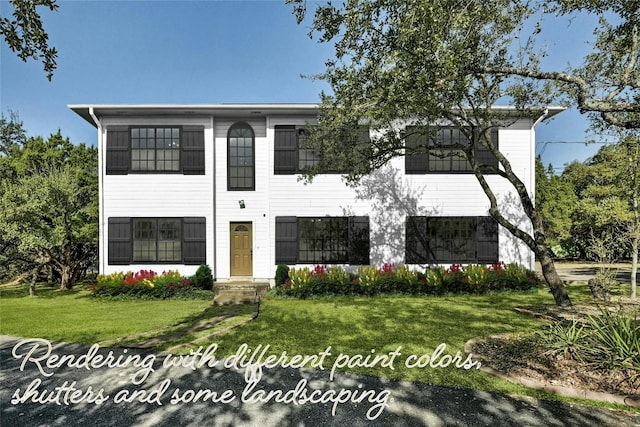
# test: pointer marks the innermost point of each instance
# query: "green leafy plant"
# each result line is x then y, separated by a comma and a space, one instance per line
282, 273
203, 278
563, 337
614, 340
368, 275
390, 279
145, 284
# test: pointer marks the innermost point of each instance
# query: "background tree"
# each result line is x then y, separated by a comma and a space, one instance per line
555, 201
48, 206
608, 189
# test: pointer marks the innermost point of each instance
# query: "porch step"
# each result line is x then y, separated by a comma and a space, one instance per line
238, 292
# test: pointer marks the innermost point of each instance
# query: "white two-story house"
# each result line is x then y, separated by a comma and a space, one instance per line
185, 185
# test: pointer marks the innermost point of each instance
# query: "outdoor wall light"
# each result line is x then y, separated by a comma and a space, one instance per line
241, 203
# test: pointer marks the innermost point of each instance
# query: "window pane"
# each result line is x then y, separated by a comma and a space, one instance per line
323, 240
241, 162
144, 240
155, 149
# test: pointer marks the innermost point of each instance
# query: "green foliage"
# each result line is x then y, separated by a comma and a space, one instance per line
614, 340
25, 35
146, 284
555, 202
371, 280
421, 63
203, 278
282, 273
49, 203
605, 186
563, 337
608, 340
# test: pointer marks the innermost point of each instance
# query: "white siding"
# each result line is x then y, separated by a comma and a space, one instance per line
387, 196
158, 195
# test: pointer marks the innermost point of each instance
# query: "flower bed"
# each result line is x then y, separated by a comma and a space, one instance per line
147, 284
389, 279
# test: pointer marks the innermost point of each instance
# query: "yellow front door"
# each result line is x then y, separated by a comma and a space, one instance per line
241, 249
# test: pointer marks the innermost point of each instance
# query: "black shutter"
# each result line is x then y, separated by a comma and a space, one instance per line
286, 240
416, 240
486, 157
486, 239
194, 240
192, 150
118, 152
415, 163
285, 157
119, 246
359, 240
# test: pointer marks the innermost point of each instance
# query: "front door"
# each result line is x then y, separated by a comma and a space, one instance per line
241, 249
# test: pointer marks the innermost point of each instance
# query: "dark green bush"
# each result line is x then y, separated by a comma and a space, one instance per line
282, 274
203, 278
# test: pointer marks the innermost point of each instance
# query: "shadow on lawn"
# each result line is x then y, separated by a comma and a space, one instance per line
409, 404
43, 290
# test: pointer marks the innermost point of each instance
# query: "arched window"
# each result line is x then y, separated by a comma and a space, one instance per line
240, 157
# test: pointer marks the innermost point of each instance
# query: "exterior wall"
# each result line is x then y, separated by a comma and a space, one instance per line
256, 203
157, 194
387, 196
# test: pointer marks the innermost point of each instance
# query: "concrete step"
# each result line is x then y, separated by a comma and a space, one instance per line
238, 292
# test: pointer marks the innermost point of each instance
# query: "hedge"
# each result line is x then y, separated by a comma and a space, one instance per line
390, 279
147, 284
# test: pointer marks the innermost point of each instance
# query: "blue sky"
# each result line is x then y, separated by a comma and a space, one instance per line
205, 52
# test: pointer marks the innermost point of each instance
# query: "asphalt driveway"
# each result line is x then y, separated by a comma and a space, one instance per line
63, 385
583, 271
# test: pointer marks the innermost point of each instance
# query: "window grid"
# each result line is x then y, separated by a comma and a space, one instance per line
157, 240
443, 159
323, 240
441, 239
307, 158
241, 161
155, 149
452, 239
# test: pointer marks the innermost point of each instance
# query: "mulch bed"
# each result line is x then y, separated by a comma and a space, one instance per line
523, 357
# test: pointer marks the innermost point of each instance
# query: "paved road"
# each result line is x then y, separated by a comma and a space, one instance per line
409, 404
583, 271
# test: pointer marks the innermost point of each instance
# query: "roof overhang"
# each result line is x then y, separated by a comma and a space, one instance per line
219, 110
246, 110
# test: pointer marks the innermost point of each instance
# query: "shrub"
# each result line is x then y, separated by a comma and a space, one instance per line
609, 341
282, 273
370, 280
563, 337
614, 340
145, 284
203, 278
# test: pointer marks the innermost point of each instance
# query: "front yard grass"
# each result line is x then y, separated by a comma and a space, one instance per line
76, 316
350, 325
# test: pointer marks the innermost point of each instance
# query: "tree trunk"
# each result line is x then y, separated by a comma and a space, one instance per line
537, 242
34, 279
65, 280
634, 263
556, 286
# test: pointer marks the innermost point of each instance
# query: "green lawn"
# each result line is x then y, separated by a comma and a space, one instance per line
75, 316
350, 325
359, 325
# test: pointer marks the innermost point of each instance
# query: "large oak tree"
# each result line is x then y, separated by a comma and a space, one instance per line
423, 61
48, 204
